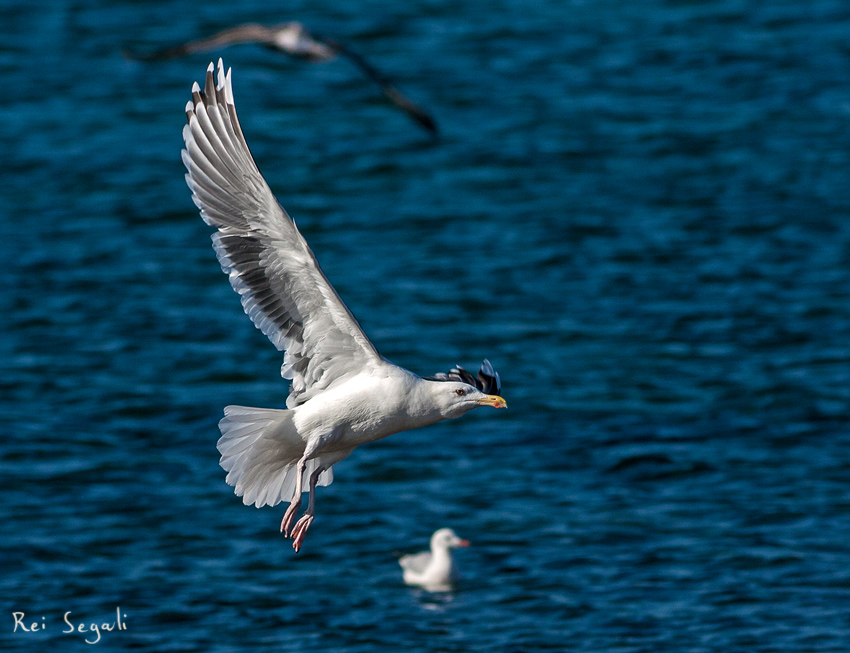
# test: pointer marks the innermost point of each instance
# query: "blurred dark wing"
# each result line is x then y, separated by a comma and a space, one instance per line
390, 91
269, 263
247, 33
488, 380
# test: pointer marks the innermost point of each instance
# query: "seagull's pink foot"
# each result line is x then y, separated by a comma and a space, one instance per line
289, 517
300, 531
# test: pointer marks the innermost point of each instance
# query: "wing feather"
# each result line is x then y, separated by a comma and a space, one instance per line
488, 380
282, 288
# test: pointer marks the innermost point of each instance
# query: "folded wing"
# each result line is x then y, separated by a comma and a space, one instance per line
416, 562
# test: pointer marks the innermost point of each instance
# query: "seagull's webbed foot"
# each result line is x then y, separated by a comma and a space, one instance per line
300, 531
289, 517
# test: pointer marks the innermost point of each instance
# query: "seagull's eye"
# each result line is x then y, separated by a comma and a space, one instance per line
460, 392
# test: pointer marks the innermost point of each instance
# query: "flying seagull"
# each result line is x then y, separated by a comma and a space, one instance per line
434, 570
343, 393
294, 40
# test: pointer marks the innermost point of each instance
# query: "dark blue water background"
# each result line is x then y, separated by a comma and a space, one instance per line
638, 211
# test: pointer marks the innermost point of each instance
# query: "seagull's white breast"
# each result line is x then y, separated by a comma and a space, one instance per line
365, 408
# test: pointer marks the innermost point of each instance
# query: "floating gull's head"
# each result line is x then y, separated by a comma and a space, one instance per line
445, 538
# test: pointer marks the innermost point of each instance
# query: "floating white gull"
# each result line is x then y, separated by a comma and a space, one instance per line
295, 40
434, 570
343, 393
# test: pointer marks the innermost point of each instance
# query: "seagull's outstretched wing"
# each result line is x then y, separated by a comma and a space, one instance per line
269, 263
247, 33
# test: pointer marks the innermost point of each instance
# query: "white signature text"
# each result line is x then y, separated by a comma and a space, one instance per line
92, 632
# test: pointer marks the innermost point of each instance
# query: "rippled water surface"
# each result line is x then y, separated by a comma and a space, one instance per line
639, 212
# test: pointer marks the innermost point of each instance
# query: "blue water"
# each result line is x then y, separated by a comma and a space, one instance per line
639, 212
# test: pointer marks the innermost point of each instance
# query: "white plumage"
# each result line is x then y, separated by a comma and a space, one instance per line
343, 393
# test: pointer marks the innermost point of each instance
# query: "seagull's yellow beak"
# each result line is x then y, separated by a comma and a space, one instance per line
493, 400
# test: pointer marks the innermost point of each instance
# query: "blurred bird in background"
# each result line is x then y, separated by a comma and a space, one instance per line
294, 40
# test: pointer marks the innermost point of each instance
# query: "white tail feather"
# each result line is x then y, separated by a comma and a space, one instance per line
259, 450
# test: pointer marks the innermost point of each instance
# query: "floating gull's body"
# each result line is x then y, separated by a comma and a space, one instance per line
343, 393
434, 570
296, 41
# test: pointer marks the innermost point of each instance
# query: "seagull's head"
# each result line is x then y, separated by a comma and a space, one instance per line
445, 538
454, 398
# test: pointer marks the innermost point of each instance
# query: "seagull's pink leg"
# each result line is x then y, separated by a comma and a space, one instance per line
300, 530
289, 515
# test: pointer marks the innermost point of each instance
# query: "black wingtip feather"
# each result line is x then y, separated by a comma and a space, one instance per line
488, 380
